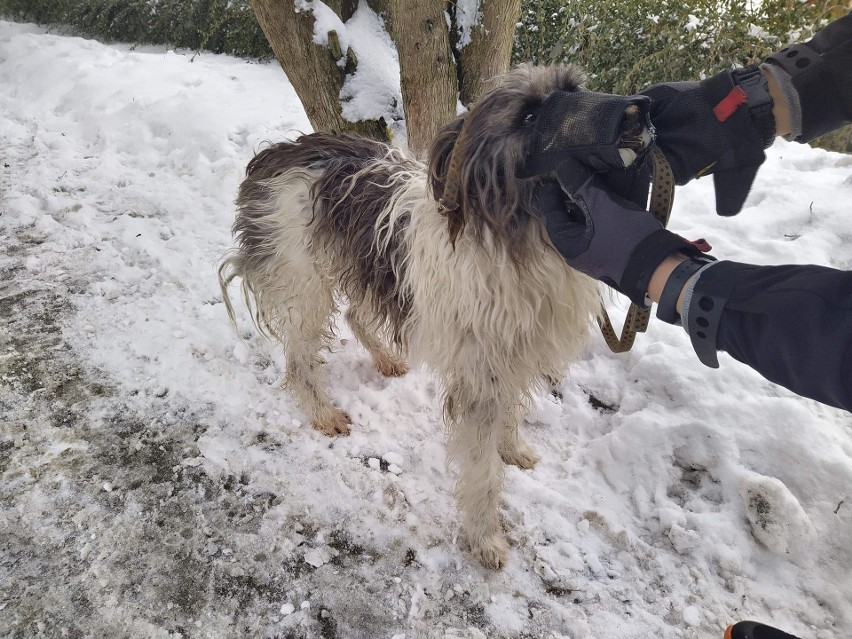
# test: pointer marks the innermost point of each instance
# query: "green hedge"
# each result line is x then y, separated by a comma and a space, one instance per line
220, 26
626, 44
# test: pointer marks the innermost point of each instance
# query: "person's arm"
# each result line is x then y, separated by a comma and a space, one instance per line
792, 324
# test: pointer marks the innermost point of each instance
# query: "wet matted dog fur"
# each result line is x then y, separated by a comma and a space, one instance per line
477, 291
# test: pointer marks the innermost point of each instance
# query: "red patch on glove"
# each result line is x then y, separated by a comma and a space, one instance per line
700, 244
730, 103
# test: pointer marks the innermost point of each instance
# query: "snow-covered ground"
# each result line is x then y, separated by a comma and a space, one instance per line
156, 482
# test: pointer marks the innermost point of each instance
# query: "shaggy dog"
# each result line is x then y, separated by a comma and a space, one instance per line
446, 263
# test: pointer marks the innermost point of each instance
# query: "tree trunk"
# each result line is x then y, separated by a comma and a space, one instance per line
490, 48
312, 68
427, 68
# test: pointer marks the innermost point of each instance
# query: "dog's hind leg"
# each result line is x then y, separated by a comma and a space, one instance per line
306, 333
283, 278
296, 306
387, 362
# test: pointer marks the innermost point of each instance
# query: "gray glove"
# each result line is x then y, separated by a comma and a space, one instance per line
603, 235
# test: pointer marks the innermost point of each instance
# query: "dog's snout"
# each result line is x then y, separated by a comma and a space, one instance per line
632, 127
635, 136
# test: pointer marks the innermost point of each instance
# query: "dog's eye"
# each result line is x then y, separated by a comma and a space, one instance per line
528, 119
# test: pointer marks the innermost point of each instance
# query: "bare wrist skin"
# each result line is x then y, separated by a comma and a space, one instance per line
661, 276
779, 107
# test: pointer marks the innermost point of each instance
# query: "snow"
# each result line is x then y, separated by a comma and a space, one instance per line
671, 499
468, 16
692, 23
373, 90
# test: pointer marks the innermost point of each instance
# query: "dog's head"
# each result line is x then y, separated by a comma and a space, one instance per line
486, 164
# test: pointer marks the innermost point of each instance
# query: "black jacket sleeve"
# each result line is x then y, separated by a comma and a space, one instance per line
792, 324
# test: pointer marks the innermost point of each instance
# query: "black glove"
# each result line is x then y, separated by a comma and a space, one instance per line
820, 71
754, 630
601, 234
720, 126
632, 183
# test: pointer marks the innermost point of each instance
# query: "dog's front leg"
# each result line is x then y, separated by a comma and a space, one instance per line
513, 449
476, 427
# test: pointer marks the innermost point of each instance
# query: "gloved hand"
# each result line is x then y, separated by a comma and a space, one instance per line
713, 127
820, 72
705, 127
601, 234
632, 183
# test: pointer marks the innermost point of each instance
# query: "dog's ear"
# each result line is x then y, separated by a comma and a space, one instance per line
440, 154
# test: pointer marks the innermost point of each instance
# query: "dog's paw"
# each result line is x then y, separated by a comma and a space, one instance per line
391, 367
492, 551
333, 423
523, 457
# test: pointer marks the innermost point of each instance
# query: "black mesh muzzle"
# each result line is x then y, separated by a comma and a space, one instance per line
586, 126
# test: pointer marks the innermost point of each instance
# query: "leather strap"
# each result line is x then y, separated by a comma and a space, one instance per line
662, 199
449, 198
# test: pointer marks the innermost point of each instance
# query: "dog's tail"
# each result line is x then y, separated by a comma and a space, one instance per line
234, 266
228, 271
270, 258
254, 224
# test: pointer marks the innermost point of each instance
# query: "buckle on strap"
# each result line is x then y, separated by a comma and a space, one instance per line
759, 102
755, 85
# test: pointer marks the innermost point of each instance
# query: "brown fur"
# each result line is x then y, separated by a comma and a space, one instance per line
348, 198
